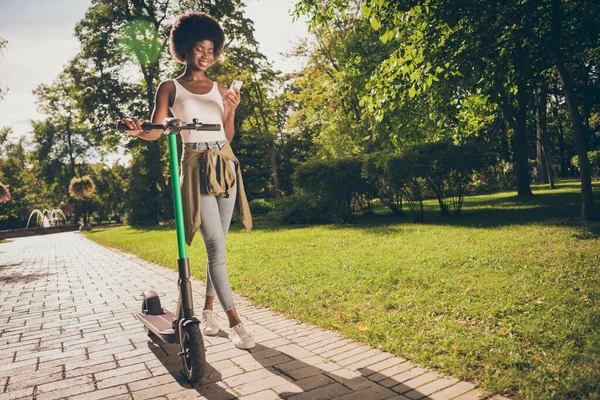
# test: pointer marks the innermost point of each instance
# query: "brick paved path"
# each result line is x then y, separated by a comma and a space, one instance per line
67, 330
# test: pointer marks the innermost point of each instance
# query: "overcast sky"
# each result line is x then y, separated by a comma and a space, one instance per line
40, 42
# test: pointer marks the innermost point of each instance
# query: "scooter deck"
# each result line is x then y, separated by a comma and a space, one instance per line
161, 325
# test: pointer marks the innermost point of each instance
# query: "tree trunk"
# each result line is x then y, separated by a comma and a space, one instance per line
505, 151
272, 156
544, 165
588, 210
521, 159
561, 138
516, 118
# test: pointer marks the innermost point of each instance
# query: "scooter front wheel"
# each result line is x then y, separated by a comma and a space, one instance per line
193, 356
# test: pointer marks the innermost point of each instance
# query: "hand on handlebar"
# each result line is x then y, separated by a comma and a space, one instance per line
134, 124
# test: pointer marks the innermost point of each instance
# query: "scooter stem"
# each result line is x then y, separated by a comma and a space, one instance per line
177, 194
186, 300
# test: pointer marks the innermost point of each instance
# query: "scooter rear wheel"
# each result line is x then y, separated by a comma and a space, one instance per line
193, 357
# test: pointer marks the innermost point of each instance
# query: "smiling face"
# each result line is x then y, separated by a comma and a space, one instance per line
202, 55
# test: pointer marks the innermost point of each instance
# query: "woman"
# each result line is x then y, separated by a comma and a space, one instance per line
197, 40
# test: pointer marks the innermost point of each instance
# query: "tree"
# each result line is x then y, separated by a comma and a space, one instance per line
81, 188
24, 192
108, 201
131, 35
341, 56
544, 166
577, 21
64, 133
497, 48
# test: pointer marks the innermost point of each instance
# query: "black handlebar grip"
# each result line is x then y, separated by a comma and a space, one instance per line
145, 126
208, 127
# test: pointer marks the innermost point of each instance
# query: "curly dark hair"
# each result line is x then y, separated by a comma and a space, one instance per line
191, 28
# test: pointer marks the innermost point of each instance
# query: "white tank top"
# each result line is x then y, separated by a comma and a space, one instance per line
208, 108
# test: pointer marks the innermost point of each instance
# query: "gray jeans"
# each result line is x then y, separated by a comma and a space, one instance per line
215, 214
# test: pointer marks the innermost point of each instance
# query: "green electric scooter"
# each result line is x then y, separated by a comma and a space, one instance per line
183, 326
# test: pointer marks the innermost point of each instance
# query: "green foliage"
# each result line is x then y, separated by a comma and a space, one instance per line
406, 171
301, 209
376, 169
446, 71
140, 39
133, 35
449, 171
594, 158
441, 168
260, 207
143, 195
111, 191
9, 148
337, 184
341, 57
24, 193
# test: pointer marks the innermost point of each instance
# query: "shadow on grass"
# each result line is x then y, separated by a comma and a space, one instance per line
560, 208
553, 208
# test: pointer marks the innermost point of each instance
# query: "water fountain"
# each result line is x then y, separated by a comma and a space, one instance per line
46, 221
49, 218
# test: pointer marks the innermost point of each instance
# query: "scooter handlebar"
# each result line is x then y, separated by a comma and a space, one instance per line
174, 125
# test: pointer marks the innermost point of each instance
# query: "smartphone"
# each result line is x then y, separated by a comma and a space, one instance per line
235, 84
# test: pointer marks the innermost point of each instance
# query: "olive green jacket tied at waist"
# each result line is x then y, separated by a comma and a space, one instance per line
198, 167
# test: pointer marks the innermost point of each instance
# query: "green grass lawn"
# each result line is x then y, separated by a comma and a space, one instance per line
506, 295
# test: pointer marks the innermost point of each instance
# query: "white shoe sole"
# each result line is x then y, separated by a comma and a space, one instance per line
244, 346
210, 332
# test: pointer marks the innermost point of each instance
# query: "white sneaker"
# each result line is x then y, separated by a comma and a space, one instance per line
209, 323
240, 337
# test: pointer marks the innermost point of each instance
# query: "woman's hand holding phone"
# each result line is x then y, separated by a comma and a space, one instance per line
232, 98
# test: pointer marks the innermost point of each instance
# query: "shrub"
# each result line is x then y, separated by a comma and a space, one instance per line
496, 175
396, 177
449, 172
260, 207
594, 157
376, 170
442, 169
406, 171
9, 222
337, 184
301, 209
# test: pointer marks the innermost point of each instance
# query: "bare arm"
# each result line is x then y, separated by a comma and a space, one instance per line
160, 112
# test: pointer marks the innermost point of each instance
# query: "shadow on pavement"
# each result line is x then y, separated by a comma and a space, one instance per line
17, 277
167, 355
296, 379
291, 378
